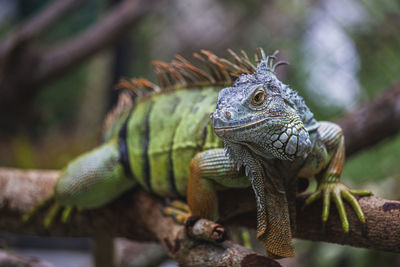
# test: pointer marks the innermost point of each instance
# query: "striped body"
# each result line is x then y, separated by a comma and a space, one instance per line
164, 132
156, 142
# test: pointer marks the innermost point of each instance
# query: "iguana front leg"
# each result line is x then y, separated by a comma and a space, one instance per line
208, 169
329, 185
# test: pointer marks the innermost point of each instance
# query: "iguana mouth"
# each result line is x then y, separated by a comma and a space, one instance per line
220, 128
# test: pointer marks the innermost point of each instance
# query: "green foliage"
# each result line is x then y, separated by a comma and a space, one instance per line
376, 163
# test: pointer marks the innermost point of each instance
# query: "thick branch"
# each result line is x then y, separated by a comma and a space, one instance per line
373, 122
137, 216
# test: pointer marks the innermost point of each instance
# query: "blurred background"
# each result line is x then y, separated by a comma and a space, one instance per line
60, 59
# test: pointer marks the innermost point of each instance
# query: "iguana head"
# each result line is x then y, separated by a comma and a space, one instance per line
259, 118
262, 113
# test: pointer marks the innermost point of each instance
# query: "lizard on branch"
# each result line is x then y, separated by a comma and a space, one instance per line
262, 135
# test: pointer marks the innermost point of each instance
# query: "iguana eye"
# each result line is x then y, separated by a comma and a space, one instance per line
259, 97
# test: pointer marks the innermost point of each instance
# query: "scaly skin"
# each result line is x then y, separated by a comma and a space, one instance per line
166, 143
164, 140
154, 148
268, 128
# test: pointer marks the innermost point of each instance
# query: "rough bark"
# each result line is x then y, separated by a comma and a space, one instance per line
136, 215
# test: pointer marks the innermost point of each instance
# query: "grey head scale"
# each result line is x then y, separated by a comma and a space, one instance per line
265, 115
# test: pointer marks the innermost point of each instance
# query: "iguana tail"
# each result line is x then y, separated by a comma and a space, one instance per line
94, 178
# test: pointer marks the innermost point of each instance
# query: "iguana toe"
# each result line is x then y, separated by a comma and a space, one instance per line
49, 219
66, 214
180, 205
34, 210
177, 209
337, 192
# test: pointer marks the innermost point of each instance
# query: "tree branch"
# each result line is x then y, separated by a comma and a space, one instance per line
16, 51
143, 221
62, 57
46, 17
373, 122
135, 216
38, 23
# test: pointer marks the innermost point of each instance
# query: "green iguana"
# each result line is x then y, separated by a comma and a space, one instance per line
161, 138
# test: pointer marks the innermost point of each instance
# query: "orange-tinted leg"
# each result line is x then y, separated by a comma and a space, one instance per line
207, 169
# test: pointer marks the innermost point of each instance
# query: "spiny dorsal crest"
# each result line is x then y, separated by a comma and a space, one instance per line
181, 73
267, 63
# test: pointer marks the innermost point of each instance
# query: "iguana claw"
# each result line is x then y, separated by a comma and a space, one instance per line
178, 210
42, 205
52, 213
338, 191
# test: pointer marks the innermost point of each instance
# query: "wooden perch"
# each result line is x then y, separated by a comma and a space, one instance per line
136, 215
373, 122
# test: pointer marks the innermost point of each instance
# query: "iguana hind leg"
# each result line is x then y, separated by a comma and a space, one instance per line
329, 185
90, 181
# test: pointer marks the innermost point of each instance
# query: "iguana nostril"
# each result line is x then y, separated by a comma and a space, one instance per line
228, 115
